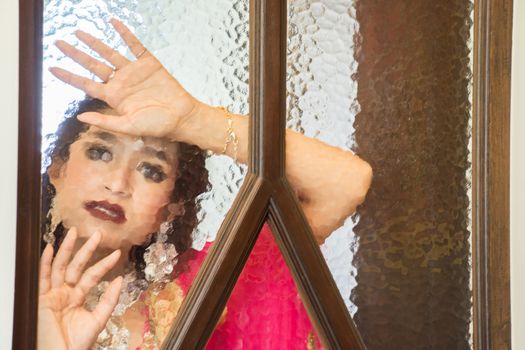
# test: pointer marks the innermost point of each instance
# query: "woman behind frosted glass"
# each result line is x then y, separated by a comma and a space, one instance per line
115, 187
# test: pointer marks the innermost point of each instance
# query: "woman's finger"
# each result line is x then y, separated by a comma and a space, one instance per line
107, 303
100, 69
45, 270
76, 266
58, 268
106, 52
107, 122
94, 274
90, 87
131, 40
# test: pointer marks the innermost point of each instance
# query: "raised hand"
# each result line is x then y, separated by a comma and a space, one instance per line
147, 99
63, 322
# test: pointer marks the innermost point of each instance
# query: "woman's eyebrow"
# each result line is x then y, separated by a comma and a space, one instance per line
152, 152
105, 136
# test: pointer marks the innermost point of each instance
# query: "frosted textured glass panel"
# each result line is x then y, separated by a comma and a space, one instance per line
391, 81
209, 59
322, 100
204, 45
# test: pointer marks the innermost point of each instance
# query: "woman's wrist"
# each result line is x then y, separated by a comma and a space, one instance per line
203, 127
216, 130
190, 124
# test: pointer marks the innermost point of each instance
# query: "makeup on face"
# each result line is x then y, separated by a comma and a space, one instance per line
106, 211
118, 184
104, 150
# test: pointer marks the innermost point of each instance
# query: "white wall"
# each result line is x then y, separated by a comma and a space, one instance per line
517, 176
8, 144
8, 161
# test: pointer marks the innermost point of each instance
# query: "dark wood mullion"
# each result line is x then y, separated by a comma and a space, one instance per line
481, 323
215, 281
315, 283
28, 200
492, 74
268, 20
216, 278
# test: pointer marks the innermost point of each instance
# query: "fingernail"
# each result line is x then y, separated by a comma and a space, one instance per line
89, 118
72, 232
96, 235
115, 22
55, 70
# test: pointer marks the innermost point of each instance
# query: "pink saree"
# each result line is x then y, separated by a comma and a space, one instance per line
265, 311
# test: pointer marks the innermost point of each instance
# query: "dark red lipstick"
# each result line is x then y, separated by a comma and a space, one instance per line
106, 211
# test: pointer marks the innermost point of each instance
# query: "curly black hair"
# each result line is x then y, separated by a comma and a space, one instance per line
191, 181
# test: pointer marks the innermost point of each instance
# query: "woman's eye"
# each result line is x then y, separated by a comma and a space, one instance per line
99, 153
151, 172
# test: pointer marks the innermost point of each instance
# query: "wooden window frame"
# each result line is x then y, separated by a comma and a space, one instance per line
267, 196
490, 174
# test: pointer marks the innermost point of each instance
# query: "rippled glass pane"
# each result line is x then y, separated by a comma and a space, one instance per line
205, 47
265, 310
322, 102
390, 82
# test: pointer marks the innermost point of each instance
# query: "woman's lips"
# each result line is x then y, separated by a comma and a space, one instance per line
106, 211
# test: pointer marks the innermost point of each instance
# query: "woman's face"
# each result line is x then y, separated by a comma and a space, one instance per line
117, 184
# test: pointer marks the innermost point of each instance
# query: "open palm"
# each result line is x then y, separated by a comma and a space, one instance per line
63, 322
148, 100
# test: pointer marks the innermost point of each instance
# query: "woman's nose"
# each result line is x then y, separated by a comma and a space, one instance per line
118, 182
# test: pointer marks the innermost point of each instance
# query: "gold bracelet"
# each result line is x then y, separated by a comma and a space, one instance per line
231, 137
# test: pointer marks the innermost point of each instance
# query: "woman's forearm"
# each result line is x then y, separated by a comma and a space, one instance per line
329, 182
